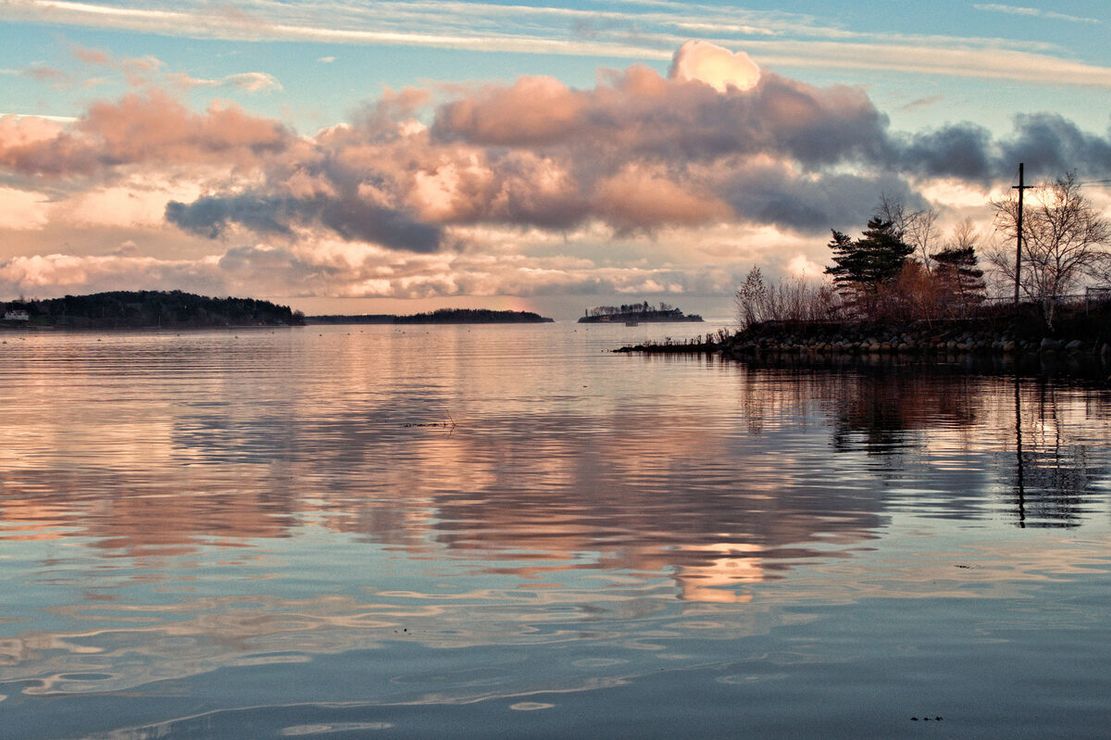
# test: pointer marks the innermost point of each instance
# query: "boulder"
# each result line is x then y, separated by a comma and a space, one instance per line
1050, 345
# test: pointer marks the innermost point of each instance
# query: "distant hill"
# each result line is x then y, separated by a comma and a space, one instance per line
147, 309
636, 312
440, 316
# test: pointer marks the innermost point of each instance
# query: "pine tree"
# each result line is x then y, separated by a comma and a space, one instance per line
959, 276
861, 268
884, 252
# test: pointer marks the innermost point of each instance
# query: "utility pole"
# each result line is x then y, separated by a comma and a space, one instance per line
1021, 187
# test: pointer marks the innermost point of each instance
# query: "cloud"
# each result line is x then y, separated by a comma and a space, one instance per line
717, 67
773, 37
56, 274
923, 102
252, 82
352, 219
774, 193
638, 198
639, 113
1035, 13
637, 152
90, 55
149, 72
147, 128
23, 210
18, 130
47, 74
1051, 145
534, 110
337, 269
653, 182
961, 150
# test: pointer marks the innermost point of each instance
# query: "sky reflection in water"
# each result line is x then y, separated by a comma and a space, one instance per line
201, 523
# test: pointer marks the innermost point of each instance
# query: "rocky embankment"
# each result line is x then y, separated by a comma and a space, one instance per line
1080, 342
917, 338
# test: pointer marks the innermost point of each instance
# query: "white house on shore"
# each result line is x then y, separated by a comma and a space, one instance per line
16, 315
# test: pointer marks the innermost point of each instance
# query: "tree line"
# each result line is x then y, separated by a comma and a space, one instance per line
154, 309
901, 268
644, 307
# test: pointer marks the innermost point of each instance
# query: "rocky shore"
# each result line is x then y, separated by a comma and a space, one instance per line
1080, 340
919, 338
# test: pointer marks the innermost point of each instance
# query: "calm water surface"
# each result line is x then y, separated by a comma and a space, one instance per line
283, 534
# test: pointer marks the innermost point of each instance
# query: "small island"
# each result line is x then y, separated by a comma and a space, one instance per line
439, 316
145, 309
636, 313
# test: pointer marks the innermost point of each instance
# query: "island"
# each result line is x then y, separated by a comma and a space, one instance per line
635, 313
145, 309
439, 316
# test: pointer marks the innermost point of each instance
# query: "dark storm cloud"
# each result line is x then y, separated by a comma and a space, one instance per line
1050, 145
351, 219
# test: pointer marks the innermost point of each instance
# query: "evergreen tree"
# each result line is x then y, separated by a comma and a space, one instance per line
863, 267
884, 252
847, 262
959, 276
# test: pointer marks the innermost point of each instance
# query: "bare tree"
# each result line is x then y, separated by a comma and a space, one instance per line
964, 235
791, 299
1064, 240
921, 233
751, 298
916, 228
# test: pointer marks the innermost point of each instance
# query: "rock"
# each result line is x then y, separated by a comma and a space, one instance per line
1050, 345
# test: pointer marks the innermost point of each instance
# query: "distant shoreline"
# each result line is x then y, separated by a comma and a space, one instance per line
144, 310
441, 316
12, 327
638, 313
621, 319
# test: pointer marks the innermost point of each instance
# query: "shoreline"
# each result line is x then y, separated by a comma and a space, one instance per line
143, 329
1079, 343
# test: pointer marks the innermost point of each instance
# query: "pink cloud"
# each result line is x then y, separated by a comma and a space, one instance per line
717, 67
533, 110
150, 128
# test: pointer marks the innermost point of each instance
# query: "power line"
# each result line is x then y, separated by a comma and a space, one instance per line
1082, 182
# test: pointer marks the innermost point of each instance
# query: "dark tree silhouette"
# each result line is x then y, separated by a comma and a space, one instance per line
154, 309
959, 279
864, 267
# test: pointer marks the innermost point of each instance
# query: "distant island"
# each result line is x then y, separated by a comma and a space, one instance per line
145, 309
635, 313
439, 316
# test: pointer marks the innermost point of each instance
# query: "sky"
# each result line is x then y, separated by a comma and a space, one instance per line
550, 156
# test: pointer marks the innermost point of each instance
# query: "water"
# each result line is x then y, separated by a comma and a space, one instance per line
507, 531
